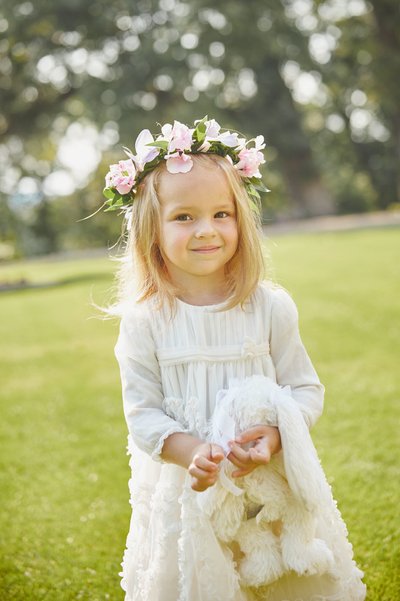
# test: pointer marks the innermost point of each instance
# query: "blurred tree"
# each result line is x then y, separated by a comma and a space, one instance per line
362, 77
123, 67
10, 230
43, 228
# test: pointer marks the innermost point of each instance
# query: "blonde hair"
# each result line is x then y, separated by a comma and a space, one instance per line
143, 273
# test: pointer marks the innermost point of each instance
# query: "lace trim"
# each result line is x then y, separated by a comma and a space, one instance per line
156, 454
186, 413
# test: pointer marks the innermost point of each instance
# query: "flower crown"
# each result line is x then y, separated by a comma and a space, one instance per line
175, 144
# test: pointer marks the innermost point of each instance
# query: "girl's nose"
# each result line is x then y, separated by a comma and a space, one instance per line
204, 229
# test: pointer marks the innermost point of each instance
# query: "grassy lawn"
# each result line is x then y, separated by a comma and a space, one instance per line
64, 499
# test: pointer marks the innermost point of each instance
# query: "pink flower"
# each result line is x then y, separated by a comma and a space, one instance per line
180, 137
249, 161
178, 162
121, 176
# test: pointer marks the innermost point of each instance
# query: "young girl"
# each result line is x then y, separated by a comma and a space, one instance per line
196, 318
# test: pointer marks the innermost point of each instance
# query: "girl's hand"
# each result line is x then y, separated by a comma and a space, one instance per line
267, 442
204, 465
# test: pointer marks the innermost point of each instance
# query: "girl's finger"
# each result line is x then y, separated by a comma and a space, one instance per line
237, 462
202, 475
239, 453
259, 456
200, 485
205, 464
216, 453
252, 434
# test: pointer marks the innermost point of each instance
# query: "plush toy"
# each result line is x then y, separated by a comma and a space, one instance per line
272, 512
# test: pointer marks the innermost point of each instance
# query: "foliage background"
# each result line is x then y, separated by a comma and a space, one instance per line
80, 79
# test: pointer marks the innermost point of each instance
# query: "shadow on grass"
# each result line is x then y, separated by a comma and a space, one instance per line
24, 284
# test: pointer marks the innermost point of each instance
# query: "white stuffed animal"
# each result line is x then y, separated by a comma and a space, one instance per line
272, 512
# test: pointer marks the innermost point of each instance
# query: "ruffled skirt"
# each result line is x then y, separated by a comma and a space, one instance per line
172, 553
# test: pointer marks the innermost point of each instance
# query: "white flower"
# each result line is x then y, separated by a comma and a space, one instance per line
212, 129
144, 154
229, 139
259, 143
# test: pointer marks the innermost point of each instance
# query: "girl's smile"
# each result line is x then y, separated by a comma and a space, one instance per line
206, 249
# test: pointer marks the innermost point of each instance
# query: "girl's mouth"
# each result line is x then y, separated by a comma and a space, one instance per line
206, 249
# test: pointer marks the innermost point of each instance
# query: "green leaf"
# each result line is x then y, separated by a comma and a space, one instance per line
201, 129
195, 147
202, 121
118, 200
199, 133
159, 144
261, 187
219, 148
112, 195
257, 183
254, 198
108, 193
151, 164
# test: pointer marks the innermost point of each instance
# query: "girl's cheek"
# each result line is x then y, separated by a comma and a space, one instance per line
229, 225
181, 237
174, 232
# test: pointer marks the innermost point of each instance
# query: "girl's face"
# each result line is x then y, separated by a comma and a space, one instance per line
198, 231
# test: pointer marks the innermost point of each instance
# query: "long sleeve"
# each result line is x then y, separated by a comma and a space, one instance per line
142, 391
292, 363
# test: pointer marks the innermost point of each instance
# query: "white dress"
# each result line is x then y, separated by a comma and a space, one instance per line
171, 370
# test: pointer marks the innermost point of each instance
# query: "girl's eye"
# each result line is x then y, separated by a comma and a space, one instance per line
183, 217
221, 214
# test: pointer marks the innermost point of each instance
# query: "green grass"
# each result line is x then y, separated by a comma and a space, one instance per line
64, 507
